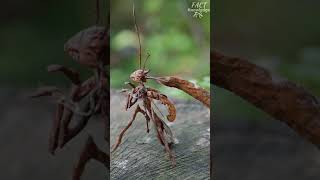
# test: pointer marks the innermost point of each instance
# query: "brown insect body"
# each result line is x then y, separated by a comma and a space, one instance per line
146, 96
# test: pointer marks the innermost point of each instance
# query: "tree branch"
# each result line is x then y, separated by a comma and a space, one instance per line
281, 99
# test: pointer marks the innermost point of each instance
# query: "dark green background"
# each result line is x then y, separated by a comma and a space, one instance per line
282, 36
32, 35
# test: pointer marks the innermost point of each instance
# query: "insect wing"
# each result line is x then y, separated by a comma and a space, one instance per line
168, 133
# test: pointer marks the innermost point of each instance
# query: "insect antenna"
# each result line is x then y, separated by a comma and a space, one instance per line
137, 30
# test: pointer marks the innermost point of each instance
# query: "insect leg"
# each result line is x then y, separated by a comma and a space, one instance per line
130, 84
129, 97
118, 142
84, 89
65, 120
105, 107
147, 120
130, 103
159, 138
54, 134
66, 133
90, 151
160, 134
71, 74
147, 117
158, 124
166, 145
48, 91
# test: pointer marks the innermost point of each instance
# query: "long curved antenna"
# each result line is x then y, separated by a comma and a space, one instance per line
137, 30
144, 64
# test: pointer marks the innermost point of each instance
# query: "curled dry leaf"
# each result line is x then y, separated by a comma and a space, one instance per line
195, 91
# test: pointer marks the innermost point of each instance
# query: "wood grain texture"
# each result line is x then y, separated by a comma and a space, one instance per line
141, 156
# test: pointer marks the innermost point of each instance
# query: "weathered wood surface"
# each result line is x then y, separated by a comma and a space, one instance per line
251, 151
141, 156
24, 130
262, 150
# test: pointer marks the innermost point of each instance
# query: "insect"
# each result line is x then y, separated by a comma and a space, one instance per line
143, 97
85, 99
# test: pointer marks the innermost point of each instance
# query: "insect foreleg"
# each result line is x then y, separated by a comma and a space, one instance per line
131, 100
71, 74
130, 84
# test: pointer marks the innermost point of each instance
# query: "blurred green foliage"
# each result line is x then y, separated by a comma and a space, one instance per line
178, 43
282, 36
